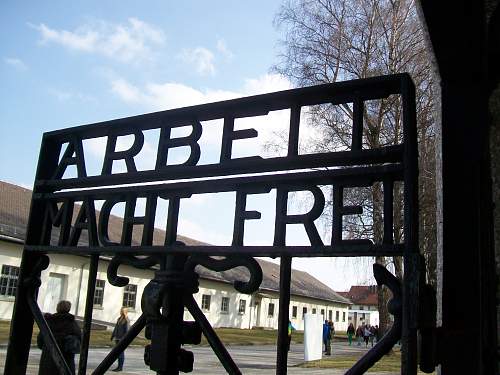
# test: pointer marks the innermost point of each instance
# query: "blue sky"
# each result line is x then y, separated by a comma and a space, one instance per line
64, 64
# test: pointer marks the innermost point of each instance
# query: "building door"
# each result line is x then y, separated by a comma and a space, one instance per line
55, 292
257, 313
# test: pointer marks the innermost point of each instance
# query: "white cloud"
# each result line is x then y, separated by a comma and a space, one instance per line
126, 91
201, 58
222, 48
202, 233
266, 83
64, 95
162, 96
128, 42
15, 63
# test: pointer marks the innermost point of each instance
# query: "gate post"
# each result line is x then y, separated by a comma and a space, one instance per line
21, 328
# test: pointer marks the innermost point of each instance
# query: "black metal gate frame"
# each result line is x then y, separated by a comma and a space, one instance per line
175, 281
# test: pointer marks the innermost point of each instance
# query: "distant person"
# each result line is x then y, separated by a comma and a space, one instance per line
331, 335
350, 333
377, 334
291, 328
326, 337
68, 337
121, 328
360, 334
366, 334
373, 335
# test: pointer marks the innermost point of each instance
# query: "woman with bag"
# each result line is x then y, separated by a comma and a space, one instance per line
121, 328
68, 337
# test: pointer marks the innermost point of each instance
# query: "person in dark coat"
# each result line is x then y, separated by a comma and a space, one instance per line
350, 333
68, 336
121, 328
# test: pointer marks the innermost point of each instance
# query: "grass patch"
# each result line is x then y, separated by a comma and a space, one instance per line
235, 336
389, 363
229, 336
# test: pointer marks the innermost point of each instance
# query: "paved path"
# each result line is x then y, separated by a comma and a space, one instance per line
250, 359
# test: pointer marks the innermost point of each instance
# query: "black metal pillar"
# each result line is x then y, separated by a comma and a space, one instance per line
21, 328
87, 320
283, 317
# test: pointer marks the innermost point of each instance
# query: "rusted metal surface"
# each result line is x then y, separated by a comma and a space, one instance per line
176, 281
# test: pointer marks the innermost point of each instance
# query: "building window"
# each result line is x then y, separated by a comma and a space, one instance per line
129, 294
99, 292
314, 311
224, 305
270, 310
330, 315
243, 306
205, 302
337, 315
8, 280
361, 307
323, 313
343, 316
294, 311
304, 312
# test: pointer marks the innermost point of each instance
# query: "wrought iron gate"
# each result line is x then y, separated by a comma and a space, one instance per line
175, 281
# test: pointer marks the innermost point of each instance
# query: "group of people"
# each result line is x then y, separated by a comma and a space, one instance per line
328, 333
68, 336
364, 332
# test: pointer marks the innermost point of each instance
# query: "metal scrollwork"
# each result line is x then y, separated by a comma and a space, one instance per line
228, 263
395, 307
130, 260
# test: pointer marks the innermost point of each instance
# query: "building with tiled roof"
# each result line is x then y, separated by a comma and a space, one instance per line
67, 275
364, 308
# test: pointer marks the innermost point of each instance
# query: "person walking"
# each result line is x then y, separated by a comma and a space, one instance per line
360, 333
330, 338
291, 328
373, 335
377, 334
350, 333
68, 336
121, 328
326, 337
366, 334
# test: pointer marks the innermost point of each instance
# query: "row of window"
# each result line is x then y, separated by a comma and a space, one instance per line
224, 308
10, 274
224, 305
330, 313
8, 286
129, 294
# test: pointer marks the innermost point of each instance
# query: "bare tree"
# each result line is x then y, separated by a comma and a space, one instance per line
332, 40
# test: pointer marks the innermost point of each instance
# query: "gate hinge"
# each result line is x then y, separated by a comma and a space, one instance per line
429, 334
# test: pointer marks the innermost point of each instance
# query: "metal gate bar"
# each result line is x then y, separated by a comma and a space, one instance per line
357, 167
87, 319
283, 317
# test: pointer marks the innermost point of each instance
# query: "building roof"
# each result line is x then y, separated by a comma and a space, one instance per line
362, 295
14, 211
302, 284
